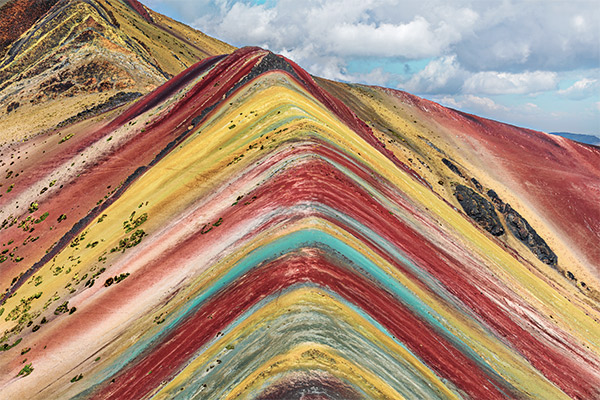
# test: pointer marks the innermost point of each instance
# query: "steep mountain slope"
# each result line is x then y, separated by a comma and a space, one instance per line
246, 230
552, 183
80, 53
241, 232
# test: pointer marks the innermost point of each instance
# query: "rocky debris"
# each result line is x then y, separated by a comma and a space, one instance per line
452, 167
477, 184
268, 63
521, 229
12, 106
114, 101
17, 16
430, 144
94, 76
479, 209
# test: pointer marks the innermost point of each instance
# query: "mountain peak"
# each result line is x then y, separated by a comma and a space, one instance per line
244, 229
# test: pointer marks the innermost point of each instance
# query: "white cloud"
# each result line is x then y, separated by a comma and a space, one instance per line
416, 39
582, 89
491, 82
446, 75
532, 107
442, 75
322, 35
475, 48
472, 103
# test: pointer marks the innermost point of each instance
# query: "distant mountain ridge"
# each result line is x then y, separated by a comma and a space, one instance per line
579, 137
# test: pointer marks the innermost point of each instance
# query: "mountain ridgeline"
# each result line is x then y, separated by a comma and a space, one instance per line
218, 223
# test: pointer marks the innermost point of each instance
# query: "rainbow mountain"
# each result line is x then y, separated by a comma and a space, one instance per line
243, 229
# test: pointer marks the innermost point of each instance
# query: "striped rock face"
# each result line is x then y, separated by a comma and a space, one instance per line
60, 58
249, 231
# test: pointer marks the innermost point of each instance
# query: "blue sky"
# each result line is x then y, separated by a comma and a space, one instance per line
530, 63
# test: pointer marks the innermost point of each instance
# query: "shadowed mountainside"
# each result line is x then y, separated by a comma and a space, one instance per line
248, 230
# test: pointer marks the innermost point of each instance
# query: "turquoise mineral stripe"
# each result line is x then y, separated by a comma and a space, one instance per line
318, 327
313, 238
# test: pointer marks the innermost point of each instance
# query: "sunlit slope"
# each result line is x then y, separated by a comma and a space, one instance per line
241, 233
552, 182
80, 53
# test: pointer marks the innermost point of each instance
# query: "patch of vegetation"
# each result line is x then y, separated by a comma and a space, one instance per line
7, 346
76, 378
20, 312
132, 224
42, 217
159, 319
128, 242
116, 279
63, 308
27, 369
69, 136
236, 159
77, 241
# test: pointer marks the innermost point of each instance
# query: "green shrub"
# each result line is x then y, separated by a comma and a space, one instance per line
27, 369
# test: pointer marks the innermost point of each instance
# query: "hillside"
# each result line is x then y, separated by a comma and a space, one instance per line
248, 230
74, 55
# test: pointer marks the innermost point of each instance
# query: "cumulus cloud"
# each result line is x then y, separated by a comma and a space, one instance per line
582, 89
473, 103
473, 51
318, 32
416, 39
491, 82
446, 75
529, 35
442, 75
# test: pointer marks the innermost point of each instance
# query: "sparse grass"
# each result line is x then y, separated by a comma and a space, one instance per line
27, 369
69, 136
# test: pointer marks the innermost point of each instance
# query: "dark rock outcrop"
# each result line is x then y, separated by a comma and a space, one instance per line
452, 167
12, 106
521, 229
114, 101
481, 210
